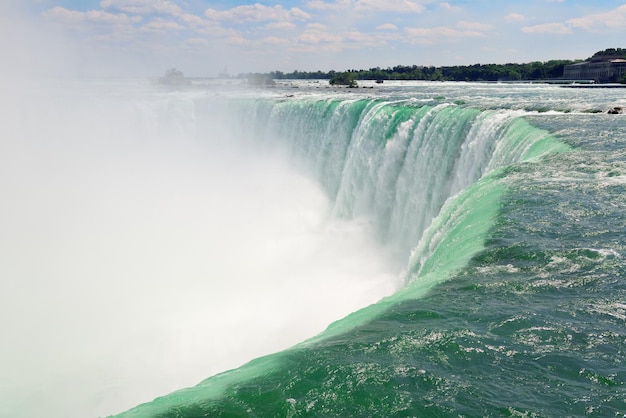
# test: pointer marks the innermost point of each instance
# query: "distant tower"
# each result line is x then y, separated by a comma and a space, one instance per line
224, 73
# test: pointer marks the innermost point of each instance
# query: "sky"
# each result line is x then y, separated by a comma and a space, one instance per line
203, 38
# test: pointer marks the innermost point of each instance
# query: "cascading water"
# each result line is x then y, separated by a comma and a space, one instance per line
395, 163
152, 237
429, 179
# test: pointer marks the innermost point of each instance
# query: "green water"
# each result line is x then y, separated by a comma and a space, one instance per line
512, 226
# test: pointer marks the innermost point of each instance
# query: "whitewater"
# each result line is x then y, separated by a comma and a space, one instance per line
400, 249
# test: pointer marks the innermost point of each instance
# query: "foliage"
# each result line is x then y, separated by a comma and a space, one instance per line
478, 72
174, 73
536, 70
343, 79
174, 77
610, 52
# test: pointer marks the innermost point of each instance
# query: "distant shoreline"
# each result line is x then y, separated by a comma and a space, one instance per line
594, 86
536, 71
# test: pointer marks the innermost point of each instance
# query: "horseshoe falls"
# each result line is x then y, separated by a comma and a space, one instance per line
407, 249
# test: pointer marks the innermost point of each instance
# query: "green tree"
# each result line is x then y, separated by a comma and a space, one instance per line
437, 75
514, 75
344, 79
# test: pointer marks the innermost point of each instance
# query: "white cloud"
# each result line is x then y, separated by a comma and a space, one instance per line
205, 27
160, 25
299, 14
237, 40
273, 40
387, 26
398, 6
322, 5
514, 17
319, 41
316, 26
197, 42
197, 26
474, 26
439, 34
357, 39
143, 6
556, 28
280, 25
62, 15
257, 13
361, 38
450, 7
317, 36
614, 19
65, 16
447, 34
312, 49
319, 27
192, 20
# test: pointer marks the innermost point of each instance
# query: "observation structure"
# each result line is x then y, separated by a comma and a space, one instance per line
604, 69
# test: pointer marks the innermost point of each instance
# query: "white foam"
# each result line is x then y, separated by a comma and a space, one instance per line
139, 257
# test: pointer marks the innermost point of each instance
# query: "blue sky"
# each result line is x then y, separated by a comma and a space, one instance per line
145, 37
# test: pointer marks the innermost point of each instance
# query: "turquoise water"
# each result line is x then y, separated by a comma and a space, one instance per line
506, 204
412, 249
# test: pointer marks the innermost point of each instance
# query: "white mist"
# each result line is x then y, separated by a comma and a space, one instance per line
143, 251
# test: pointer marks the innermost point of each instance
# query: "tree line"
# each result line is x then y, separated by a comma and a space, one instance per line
535, 70
477, 72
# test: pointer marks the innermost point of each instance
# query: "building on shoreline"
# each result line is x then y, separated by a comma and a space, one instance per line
607, 69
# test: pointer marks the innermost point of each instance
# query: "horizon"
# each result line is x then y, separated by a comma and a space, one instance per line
203, 38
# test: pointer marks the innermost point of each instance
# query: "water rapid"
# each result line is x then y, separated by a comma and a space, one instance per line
428, 179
